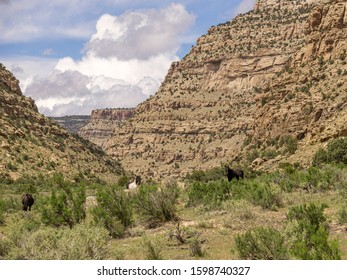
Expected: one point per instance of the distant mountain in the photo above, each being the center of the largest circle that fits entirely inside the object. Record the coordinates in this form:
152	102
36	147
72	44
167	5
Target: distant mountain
32	144
72	123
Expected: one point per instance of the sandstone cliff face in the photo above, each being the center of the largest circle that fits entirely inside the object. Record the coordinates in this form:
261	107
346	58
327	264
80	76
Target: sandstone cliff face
309	99
31	144
248	88
103	122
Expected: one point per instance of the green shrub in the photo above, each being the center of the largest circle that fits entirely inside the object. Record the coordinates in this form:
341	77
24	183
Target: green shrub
47	243
207	175
210	194
308	233
17	227
320	157
156	204
2	212
290	144
195	248
83	242
336	152
266	195
65	206
152	248
342	215
261	244
113	210
323	178
123	181
26	184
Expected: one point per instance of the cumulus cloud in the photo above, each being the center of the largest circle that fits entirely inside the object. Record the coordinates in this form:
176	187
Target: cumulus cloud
141	34
70	92
126	60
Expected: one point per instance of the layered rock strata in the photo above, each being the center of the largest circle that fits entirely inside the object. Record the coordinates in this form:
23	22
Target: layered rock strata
247	89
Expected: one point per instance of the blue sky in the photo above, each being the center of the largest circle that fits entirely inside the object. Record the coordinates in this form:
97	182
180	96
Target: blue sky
73	56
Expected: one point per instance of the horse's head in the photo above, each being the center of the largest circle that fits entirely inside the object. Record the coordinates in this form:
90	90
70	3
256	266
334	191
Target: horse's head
137	180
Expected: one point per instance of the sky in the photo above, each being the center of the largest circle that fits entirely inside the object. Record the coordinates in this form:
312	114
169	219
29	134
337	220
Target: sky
73	56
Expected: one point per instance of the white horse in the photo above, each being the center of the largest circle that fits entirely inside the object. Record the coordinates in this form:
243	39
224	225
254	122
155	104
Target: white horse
135	184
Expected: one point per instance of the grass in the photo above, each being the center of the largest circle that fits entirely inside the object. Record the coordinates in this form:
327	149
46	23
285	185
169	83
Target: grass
210	231
227	223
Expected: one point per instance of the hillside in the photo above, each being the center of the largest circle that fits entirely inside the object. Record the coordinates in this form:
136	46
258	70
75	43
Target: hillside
32	144
266	87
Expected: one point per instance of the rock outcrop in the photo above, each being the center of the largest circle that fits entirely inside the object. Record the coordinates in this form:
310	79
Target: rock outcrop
266	86
103	122
32	144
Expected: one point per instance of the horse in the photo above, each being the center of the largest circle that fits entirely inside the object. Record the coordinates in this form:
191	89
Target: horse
234	173
135	184
27	201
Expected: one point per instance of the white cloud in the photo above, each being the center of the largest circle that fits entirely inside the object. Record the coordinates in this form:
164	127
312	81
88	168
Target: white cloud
70	92
141	34
130	71
27	68
127	59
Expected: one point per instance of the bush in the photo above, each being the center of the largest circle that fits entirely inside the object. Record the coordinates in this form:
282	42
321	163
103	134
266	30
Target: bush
158	204
207	175
263	194
65	206
123	181
2	212
83	242
113	210
17	227
322	179
153	249
261	244
321	156
210	194
195	248
47	243
289	143
308	233
336	152
342	215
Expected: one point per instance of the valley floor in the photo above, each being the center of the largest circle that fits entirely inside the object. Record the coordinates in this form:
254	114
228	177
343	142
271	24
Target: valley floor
217	229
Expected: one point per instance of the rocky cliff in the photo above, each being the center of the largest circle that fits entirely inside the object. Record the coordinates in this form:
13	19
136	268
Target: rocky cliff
31	144
103	122
263	88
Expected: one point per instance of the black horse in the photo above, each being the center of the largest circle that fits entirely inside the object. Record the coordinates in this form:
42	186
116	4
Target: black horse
234	173
27	201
